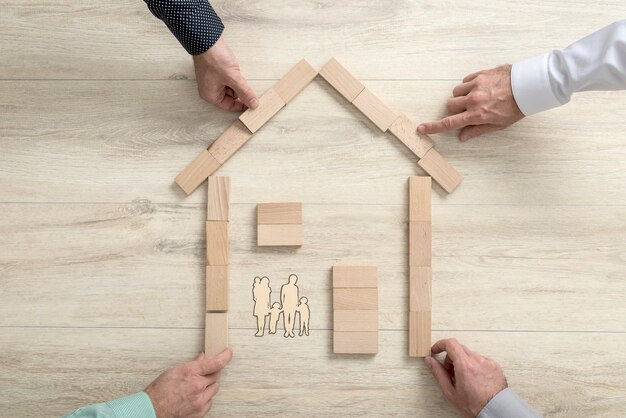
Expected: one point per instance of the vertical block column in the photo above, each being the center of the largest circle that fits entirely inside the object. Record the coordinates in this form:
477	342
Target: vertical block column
217	272
355	309
420	274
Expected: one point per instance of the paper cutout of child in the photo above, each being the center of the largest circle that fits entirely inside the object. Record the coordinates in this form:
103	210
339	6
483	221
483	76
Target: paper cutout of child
275	312
305	313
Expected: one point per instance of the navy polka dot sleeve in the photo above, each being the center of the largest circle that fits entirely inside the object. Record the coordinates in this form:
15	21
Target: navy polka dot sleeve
194	22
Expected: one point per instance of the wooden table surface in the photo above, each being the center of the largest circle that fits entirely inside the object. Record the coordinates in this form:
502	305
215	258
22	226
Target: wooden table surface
101	256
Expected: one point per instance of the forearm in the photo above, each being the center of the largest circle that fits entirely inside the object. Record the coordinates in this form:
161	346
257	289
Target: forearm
596	62
137	405
507	404
193	22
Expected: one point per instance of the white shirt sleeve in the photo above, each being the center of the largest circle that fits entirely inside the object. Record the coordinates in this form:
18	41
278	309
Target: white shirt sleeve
506	404
596	62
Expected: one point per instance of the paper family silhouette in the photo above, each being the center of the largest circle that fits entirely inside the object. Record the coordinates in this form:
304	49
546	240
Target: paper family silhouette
290	305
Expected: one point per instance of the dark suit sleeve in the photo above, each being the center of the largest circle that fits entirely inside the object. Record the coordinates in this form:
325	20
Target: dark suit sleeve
193	22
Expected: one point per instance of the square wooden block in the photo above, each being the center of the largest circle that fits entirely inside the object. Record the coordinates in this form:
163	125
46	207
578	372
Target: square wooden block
215	333
405	130
217	243
279	213
218	198
420	243
420	198
375	109
357	320
197	171
280	235
355	276
419	333
229	142
440	170
420	288
217	288
365	342
292	83
354	299
269	104
341	79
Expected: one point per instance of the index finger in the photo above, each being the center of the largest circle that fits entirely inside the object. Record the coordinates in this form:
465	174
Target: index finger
210	365
451	346
446	124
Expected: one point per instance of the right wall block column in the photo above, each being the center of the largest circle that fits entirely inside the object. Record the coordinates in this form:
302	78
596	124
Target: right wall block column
420	274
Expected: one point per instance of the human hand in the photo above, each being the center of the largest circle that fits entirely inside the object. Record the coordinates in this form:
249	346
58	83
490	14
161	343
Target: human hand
468	380
483	103
220	81
187	390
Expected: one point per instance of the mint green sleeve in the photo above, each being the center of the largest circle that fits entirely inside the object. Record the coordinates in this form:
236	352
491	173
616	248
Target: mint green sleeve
137	405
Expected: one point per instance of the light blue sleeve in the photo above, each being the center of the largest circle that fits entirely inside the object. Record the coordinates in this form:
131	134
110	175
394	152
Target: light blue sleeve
506	404
137	405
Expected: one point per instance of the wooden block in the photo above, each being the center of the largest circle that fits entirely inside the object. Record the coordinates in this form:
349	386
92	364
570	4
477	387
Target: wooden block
375	109
217	243
279	213
269	104
280	235
355	299
419	333
215	333
344	82
197	171
361	320
420	243
292	83
420	288
420	192
355	342
216	288
440	170
355	276
229	142
405	130
218	198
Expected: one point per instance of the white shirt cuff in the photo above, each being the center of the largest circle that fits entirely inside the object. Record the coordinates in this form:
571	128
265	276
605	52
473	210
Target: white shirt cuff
530	83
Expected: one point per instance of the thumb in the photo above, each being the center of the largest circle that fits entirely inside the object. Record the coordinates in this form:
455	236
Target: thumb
245	93
441	376
473	131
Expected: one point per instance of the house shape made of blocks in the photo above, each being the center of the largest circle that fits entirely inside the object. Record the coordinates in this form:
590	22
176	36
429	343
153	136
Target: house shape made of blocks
250	121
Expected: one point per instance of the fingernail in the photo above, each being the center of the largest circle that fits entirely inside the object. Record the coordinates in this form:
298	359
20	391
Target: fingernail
421	129
254	103
428	361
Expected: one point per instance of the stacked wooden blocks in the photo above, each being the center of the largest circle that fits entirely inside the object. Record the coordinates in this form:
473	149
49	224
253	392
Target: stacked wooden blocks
355	309
217	274
420	273
279	224
288	87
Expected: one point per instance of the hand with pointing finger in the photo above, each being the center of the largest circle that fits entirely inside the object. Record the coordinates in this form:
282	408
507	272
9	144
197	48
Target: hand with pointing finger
483	103
187	390
220	81
468	380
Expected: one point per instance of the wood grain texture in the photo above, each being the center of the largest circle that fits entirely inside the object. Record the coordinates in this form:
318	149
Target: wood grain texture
296	79
279	235
405	130
97	244
217	243
215	333
269	104
440	170
279	213
420	333
355	298
229	141
218	198
420	198
420	288
355	276
341	80
420	243
197	171
355	320
217	288
356	342
375	110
